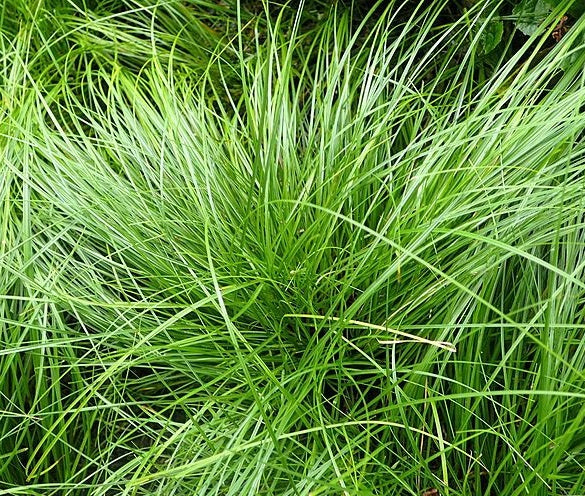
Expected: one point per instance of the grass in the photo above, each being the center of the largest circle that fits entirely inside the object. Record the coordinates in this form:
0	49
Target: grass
290	254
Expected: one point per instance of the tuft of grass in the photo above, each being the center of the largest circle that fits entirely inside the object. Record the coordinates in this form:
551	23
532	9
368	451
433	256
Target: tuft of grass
332	257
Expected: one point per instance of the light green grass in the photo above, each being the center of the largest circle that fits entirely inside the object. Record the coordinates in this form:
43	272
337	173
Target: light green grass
338	259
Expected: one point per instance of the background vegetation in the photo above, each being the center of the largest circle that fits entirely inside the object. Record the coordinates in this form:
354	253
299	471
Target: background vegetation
305	249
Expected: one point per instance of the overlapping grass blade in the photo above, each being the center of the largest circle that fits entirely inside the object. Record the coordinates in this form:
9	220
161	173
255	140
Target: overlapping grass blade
202	282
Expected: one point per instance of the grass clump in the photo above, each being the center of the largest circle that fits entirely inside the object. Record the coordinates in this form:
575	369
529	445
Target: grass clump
343	256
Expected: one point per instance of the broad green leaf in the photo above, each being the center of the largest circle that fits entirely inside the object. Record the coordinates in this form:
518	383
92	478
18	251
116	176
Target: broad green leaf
577	9
530	14
492	35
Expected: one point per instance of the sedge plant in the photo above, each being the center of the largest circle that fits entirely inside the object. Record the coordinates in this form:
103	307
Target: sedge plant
342	256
